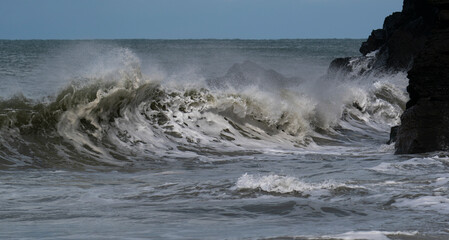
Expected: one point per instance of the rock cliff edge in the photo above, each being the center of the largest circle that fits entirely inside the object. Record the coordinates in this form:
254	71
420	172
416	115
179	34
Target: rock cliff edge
417	40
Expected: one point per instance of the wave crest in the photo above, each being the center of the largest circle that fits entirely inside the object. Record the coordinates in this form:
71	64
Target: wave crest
122	117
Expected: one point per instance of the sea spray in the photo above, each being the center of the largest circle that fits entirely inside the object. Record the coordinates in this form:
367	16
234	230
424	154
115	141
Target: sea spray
119	115
138	139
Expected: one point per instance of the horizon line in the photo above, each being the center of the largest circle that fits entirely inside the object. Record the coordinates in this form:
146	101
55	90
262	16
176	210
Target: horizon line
172	39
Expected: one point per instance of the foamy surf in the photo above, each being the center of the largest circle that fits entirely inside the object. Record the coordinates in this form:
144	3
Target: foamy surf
119	115
285	184
371	235
205	139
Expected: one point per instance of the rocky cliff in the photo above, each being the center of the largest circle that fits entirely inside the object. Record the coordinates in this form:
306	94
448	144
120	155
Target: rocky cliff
425	122
403	36
416	40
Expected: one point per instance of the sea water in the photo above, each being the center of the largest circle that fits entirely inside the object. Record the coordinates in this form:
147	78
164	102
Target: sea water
208	139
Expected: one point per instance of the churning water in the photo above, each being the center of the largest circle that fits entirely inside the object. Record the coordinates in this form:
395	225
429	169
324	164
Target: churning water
212	139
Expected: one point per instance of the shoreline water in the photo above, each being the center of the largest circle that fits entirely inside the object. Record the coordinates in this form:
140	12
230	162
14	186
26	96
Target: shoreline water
156	139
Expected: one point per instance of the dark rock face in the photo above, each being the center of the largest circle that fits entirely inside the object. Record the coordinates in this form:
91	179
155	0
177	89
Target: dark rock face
416	40
393	134
403	35
376	40
425	122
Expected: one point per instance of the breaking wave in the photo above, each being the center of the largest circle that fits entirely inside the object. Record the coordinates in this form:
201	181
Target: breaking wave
290	185
124	118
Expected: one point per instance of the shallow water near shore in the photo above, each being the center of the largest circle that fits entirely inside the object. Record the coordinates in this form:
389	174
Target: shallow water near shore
201	139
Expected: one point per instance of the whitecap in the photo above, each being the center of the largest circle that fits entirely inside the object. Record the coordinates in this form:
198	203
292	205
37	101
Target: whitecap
368	235
285	184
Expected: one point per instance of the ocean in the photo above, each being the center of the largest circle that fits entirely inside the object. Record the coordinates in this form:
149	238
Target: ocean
208	139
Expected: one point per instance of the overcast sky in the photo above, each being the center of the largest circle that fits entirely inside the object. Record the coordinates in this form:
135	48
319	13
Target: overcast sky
181	19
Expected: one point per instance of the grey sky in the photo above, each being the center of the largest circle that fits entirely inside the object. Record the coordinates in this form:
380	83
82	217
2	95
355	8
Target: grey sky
172	19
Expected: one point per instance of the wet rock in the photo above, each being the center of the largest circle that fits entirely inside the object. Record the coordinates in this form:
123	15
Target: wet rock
402	37
393	134
425	122
416	40
375	41
340	66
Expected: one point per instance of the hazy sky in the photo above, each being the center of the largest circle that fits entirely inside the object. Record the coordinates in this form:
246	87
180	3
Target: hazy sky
246	19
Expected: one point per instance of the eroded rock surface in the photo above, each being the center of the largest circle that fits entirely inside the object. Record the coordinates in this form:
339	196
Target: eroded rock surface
415	40
425	122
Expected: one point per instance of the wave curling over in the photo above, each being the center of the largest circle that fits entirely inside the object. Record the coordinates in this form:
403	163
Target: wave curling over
122	116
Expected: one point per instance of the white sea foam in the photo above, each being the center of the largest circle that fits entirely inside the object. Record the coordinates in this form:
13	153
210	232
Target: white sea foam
115	106
184	145
284	184
368	235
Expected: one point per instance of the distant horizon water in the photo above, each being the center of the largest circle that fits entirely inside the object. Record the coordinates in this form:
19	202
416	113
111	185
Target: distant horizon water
181	39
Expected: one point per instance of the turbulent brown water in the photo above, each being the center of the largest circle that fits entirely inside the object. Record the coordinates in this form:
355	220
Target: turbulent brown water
207	139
